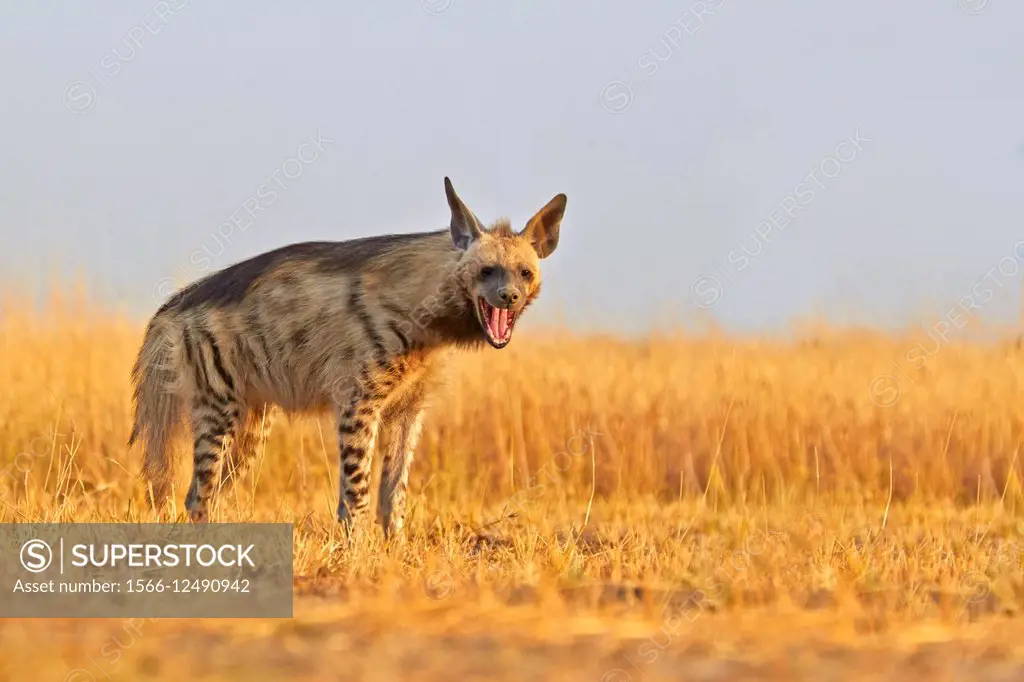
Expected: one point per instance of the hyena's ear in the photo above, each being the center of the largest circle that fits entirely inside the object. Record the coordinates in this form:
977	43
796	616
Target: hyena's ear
542	229
465	226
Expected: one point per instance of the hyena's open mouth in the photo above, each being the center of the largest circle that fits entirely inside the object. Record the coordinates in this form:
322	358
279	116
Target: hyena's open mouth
497	323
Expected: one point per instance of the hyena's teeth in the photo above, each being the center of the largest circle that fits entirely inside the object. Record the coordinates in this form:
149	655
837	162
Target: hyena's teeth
498	321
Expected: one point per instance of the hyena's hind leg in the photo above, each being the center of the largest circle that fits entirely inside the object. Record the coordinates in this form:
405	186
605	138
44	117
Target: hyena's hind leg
400	431
214	421
253	434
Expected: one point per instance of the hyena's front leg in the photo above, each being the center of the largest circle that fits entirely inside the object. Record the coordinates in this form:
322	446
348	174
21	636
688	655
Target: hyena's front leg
213	421
357	431
400	431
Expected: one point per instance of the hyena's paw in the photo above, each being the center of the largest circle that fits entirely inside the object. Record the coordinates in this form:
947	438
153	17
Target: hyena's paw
197	511
347	522
394	528
395	536
356	528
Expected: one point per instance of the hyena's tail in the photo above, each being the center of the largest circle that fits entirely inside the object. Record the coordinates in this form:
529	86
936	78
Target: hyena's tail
157	406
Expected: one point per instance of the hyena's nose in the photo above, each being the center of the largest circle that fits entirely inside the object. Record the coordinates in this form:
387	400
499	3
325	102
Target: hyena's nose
509	295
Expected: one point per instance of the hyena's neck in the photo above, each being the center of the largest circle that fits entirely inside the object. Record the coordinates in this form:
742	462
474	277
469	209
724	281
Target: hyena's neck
455	322
416	285
444	311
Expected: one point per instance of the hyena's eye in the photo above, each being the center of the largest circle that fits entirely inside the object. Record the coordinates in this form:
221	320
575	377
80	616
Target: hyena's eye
486	271
527	274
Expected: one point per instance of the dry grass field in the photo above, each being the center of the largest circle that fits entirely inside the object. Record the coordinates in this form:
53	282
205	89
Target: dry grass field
685	507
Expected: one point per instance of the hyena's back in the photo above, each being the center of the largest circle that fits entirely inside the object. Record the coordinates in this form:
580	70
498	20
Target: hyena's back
291	328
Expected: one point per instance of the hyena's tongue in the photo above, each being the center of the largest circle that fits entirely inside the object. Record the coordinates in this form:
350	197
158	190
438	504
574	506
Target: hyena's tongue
497	323
503	323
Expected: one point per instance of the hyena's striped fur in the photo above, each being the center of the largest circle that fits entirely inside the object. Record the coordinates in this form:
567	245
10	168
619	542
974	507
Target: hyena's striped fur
357	327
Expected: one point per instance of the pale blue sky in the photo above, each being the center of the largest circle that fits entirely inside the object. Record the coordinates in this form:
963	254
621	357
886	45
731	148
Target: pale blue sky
728	113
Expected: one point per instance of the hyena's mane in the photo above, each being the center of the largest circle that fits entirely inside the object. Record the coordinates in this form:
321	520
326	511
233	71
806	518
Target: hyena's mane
230	285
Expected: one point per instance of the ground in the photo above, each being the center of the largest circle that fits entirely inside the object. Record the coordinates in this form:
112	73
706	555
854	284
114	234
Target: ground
689	506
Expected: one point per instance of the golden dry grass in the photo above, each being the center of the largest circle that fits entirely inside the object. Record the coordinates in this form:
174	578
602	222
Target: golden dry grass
755	515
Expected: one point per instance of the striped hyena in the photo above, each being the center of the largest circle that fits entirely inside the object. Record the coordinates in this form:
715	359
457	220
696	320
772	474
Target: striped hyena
357	327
